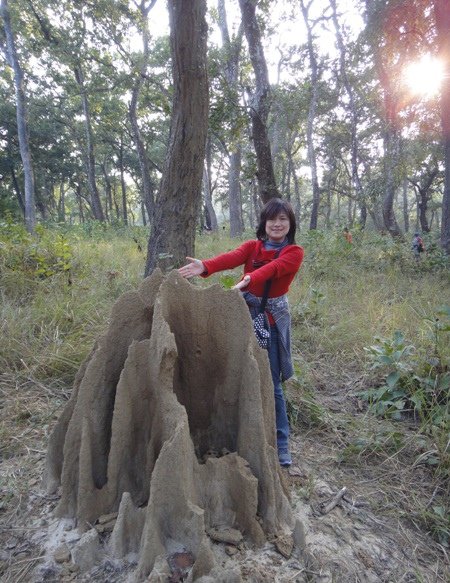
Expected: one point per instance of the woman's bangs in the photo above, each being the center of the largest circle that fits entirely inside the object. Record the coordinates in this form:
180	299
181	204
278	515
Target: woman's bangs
275	209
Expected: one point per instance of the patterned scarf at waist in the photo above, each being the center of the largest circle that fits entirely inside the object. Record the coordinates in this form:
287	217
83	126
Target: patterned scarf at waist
279	309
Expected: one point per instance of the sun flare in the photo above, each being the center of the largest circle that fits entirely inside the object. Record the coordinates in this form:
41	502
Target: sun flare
424	77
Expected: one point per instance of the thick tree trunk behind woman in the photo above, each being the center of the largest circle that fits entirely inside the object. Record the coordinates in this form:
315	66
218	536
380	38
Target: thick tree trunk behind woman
260	104
176	211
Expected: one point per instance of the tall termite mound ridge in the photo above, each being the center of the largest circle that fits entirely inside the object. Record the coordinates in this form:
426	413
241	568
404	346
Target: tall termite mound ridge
171	423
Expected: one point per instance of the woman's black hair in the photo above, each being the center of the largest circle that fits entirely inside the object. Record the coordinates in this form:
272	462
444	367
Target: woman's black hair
270	210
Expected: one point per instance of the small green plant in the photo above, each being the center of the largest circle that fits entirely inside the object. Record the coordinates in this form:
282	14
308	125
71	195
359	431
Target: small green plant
394	355
436	518
440	326
412	384
311	309
304	409
306	490
376	443
42	256
51	257
12	232
227	280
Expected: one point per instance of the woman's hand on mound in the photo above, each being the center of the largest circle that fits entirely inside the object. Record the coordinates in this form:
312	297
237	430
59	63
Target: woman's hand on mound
243	283
193	268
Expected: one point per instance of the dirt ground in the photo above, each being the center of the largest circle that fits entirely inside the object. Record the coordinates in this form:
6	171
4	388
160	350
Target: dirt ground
367	533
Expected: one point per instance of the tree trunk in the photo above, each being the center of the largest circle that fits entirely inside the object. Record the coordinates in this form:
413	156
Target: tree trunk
422	186
311	117
416	192
62	203
114	197
144	218
423	219
260	103
354	119
297	199
147	183
210	213
328	208
108	193
123	185
90	157
442	16
22	119
362	214
207	189
231	70
17	191
236	223
405	205
148	187
256	204
80	202
173	232
391	155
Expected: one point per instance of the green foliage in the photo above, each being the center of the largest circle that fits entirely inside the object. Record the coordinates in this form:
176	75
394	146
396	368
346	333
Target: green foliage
391	352
376	443
411	384
436	519
303	407
48	327
306	410
310	309
43	255
327	250
227	280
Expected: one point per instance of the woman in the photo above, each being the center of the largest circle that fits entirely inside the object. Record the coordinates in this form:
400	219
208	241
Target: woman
272	256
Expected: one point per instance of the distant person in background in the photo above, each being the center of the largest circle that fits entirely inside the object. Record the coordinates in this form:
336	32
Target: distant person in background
273	256
417	246
348	236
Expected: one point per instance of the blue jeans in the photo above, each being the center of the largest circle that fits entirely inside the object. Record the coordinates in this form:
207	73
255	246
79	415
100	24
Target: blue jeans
280	403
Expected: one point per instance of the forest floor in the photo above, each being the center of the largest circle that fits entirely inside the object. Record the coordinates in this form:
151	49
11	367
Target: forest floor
385	527
370	535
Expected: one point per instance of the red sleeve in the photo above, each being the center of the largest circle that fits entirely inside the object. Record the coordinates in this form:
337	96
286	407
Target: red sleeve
229	260
287	263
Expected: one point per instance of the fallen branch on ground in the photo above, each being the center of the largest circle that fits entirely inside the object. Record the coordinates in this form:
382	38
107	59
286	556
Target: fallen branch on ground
334	501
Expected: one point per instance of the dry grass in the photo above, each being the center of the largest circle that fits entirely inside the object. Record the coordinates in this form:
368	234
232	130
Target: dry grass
47	328
29	411
383	465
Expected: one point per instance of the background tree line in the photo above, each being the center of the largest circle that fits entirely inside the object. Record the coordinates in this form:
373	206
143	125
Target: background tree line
102	118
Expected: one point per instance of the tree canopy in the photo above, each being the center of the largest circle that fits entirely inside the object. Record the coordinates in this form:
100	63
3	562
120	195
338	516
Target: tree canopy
306	101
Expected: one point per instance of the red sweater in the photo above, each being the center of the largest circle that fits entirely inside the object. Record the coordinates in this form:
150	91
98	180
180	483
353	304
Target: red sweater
281	270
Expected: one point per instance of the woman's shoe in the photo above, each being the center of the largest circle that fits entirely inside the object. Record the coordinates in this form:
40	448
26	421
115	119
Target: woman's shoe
284	457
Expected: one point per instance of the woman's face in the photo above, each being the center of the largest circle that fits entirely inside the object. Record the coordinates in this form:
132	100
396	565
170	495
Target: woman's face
278	227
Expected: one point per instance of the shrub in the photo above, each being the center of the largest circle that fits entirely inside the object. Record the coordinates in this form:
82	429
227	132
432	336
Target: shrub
43	255
410	383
